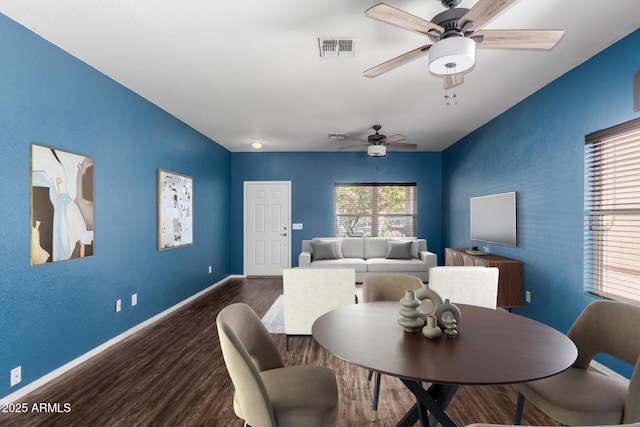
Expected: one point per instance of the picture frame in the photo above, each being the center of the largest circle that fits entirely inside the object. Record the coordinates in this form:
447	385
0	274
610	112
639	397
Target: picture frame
175	210
62	205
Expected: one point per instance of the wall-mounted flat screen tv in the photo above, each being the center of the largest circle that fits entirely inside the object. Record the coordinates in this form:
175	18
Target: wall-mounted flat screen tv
493	218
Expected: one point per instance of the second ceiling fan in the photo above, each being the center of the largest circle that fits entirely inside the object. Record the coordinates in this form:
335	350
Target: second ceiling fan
376	143
455	34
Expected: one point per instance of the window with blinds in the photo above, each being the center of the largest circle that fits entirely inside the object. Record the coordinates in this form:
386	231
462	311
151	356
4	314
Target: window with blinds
612	212
375	209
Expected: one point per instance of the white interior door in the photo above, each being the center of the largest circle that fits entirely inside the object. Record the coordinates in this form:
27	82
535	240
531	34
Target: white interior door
267	235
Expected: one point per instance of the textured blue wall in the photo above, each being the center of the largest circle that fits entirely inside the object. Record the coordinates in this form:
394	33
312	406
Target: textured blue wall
313	176
536	149
53	313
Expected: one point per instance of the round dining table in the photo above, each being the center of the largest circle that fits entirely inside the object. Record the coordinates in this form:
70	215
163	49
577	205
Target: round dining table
492	347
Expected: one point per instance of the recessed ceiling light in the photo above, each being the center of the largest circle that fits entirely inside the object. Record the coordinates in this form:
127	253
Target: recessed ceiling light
256	145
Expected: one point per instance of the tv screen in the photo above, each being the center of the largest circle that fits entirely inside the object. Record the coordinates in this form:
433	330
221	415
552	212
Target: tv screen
493	218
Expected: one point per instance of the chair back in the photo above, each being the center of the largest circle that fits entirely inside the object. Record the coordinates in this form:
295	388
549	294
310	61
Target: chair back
247	349
388	287
466	285
311	292
611	327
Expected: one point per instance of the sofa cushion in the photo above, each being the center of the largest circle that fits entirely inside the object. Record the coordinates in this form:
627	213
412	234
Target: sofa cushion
353	247
358	264
399	249
325	250
378	265
376	247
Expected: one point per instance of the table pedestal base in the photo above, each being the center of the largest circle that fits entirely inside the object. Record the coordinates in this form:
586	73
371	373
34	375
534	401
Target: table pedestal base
430	404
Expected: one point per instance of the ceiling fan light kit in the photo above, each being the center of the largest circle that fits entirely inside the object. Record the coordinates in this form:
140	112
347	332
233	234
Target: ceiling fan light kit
376	151
452	55
454	35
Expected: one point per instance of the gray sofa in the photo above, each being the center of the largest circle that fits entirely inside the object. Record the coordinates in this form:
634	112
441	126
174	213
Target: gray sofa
369	256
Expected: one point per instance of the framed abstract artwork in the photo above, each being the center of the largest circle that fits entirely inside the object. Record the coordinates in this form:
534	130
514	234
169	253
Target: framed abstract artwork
62	225
175	210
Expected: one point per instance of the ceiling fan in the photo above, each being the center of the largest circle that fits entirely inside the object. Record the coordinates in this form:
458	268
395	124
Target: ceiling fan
455	34
377	143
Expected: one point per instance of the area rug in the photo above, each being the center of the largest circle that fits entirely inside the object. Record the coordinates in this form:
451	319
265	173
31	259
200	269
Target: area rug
274	317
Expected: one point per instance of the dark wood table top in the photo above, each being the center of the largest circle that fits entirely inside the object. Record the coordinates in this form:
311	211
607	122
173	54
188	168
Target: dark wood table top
492	346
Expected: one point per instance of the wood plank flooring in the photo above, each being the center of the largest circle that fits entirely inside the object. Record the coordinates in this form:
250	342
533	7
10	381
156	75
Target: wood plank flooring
172	374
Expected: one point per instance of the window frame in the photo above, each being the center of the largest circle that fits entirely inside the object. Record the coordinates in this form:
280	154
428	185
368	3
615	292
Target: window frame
408	217
612	212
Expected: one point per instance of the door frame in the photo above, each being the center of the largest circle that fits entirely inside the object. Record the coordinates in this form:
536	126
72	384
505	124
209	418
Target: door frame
244	221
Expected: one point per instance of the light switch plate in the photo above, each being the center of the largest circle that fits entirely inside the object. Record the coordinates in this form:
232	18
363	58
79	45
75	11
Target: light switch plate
296	226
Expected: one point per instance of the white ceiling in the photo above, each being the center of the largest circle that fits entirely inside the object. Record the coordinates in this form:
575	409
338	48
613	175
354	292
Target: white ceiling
243	70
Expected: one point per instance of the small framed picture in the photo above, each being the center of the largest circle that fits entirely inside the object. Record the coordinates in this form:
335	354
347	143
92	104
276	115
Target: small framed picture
175	210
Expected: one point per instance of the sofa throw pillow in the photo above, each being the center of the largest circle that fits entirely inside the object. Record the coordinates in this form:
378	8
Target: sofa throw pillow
337	245
399	250
323	251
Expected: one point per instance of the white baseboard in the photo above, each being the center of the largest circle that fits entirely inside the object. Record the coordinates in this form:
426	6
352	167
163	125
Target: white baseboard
81	359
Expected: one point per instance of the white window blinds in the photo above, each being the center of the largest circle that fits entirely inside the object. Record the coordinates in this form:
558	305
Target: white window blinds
612	212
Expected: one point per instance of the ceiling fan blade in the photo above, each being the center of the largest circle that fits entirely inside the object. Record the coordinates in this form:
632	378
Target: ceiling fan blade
353	138
349	147
484	12
519	39
399	18
394	139
397	61
404	145
452	80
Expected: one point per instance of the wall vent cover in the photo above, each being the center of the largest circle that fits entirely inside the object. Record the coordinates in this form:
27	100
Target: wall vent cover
334	46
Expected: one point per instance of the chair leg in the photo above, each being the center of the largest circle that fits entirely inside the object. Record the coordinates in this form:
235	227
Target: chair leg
520	409
369	377
376	396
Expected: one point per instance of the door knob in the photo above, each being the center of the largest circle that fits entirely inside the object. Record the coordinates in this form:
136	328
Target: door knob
284	234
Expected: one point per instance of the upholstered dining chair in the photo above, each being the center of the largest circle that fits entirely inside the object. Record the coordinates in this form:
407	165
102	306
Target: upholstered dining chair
582	396
466	285
385	287
266	392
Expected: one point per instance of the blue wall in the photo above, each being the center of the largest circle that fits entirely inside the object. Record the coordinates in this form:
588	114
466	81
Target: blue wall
53	313
537	149
313	176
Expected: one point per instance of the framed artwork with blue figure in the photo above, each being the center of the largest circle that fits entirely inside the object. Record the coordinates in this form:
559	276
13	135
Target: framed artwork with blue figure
62	212
175	210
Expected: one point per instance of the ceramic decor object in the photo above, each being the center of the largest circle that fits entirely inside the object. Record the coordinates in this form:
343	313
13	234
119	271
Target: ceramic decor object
426	293
411	315
431	329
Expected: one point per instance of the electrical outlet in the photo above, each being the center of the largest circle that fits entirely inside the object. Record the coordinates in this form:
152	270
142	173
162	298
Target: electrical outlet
527	296
118	305
134	300
16	375
210	269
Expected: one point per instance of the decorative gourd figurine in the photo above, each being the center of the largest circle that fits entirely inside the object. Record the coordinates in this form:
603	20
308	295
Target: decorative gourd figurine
426	293
411	319
451	328
431	329
445	312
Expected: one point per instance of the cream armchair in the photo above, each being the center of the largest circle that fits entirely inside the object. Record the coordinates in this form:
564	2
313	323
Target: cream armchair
466	285
309	293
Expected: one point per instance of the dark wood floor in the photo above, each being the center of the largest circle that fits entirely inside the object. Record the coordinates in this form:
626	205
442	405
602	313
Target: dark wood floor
172	374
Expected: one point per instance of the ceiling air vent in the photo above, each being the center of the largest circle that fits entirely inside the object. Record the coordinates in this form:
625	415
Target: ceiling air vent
337	46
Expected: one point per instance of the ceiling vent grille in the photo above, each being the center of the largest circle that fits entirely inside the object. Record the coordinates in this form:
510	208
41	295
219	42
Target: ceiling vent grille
337	47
